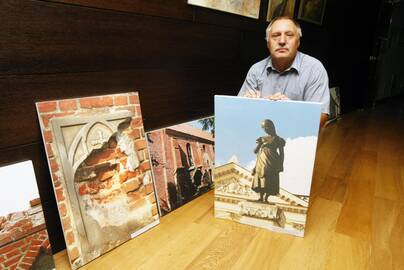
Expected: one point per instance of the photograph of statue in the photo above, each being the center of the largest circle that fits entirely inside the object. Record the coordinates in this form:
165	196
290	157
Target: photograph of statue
248	8
269	164
277	8
182	158
312	11
265	181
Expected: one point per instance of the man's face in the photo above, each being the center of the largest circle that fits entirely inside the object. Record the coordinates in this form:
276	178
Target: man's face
283	40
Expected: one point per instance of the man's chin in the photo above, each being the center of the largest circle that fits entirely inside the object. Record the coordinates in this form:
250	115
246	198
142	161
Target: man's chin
282	56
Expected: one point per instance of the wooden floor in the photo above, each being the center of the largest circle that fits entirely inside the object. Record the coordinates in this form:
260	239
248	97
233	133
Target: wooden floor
356	216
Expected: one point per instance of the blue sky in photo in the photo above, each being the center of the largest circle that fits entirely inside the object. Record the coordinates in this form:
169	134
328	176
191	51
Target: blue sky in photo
238	124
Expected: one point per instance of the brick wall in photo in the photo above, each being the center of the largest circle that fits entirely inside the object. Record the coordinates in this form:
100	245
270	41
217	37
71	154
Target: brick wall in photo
105	182
178	156
23	237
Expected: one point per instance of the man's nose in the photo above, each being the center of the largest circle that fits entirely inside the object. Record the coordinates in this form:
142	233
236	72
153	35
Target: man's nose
282	39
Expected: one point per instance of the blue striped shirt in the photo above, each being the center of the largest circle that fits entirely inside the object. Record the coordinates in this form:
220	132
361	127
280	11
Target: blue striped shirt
306	79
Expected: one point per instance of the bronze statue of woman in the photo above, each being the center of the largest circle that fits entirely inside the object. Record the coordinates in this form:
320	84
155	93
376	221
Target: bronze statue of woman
269	164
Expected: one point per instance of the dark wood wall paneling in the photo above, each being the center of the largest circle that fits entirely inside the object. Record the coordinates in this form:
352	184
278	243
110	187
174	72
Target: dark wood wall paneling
177	56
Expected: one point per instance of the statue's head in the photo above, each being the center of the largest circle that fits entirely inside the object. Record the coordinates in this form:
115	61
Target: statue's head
268	126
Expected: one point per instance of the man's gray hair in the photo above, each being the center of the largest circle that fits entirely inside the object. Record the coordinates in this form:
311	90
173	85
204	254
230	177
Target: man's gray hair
299	29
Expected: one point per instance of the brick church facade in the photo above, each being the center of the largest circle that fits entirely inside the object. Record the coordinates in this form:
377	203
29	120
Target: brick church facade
182	158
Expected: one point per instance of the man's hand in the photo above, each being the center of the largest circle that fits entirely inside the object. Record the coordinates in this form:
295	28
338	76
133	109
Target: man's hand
277	96
252	93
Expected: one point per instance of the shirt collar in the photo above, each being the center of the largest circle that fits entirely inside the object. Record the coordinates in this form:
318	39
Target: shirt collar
295	64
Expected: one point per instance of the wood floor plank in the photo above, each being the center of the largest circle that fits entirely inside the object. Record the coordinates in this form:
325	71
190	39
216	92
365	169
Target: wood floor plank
225	249
387	235
348	253
356	215
277	251
181	249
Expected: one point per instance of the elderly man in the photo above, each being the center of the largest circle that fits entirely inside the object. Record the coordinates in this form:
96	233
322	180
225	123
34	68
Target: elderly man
288	73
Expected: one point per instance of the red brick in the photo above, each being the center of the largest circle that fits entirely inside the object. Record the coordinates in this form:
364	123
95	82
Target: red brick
83	190
13	253
62	209
35	202
49	150
24	266
34	248
48	106
59	194
138	111
74	254
140	144
48	136
12	261
131	185
120	153
36	242
68	105
69	238
13	267
123	161
145	166
134	99
103	176
135	133
136	122
66	224
12	246
95	102
101	156
32	253
107	184
120	100
133	174
4	239
46	243
28	260
2	258
53	165
149	188
123	176
93	187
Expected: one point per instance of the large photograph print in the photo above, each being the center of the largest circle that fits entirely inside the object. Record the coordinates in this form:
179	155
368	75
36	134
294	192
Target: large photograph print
278	8
248	8
265	152
312	11
24	241
99	163
182	159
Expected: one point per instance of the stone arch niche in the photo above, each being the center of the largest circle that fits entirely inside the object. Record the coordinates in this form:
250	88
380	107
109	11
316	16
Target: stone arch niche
90	154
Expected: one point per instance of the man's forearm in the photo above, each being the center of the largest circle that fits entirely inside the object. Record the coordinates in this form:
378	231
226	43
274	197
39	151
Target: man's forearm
323	119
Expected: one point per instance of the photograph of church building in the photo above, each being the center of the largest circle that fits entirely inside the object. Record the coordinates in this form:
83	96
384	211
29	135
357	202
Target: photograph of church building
182	161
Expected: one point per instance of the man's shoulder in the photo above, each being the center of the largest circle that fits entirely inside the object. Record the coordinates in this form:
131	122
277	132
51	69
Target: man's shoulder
310	61
260	66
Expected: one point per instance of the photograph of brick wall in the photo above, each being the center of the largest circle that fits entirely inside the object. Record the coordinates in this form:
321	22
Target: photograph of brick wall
100	169
182	161
24	241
